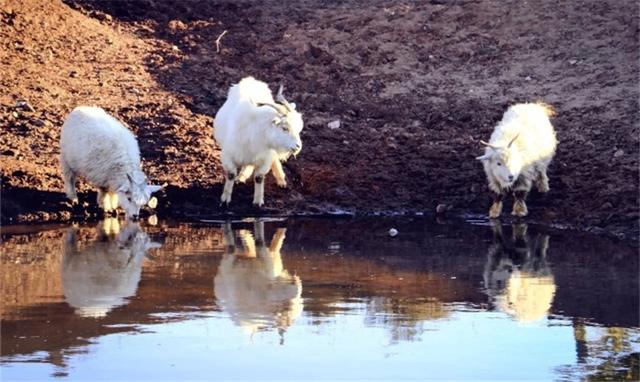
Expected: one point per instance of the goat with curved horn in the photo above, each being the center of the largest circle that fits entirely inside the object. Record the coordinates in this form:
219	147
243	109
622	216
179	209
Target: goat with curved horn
517	156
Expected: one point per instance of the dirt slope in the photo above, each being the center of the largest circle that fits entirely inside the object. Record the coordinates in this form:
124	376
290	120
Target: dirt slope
415	85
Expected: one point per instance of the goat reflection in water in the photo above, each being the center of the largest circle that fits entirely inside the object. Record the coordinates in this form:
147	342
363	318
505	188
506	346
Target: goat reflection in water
253	287
517	277
100	275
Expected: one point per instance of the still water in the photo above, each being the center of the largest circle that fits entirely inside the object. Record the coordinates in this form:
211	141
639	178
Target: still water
316	299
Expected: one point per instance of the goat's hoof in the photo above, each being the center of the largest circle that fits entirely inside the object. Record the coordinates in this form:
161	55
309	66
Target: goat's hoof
495	210
519	210
282	184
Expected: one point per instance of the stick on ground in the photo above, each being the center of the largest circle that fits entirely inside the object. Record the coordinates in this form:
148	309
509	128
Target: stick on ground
218	40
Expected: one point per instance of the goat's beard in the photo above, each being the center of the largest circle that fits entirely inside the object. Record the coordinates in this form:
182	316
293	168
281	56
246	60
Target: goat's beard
283	156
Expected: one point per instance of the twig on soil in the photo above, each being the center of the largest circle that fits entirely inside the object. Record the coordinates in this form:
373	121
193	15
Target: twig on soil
218	40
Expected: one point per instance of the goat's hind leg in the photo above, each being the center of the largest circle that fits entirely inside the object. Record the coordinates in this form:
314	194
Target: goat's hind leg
542	181
230	178
69	181
278	173
245	173
231	173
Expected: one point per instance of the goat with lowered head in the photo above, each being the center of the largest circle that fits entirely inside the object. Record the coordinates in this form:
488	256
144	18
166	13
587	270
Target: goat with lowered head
520	149
256	133
98	148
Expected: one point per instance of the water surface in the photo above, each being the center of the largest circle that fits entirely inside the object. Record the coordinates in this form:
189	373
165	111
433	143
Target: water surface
316	299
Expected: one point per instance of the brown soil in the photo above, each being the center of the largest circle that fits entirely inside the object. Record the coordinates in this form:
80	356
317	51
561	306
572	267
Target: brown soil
415	85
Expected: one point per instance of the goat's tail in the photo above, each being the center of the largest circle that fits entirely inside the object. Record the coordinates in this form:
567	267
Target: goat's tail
548	109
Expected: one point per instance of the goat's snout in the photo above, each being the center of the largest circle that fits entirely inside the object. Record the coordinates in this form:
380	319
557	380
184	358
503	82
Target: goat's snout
510	178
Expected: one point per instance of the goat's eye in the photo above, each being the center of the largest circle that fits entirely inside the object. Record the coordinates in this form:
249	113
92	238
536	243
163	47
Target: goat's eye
499	164
285	127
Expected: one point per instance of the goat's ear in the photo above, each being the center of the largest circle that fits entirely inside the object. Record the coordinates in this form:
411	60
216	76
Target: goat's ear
293	105
152	245
152	188
484	157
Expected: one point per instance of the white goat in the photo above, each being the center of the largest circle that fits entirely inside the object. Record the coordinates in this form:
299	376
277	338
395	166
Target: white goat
98	148
255	134
521	147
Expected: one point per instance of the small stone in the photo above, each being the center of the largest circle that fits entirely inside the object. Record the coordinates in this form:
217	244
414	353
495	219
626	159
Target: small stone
152	220
618	153
528	78
38	122
11	152
606	206
441	209
334	124
573	62
24	105
393	232
175	48
153	202
73	74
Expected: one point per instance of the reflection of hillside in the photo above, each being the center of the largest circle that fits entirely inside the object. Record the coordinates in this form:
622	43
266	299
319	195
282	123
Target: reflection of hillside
403	318
604	354
30	265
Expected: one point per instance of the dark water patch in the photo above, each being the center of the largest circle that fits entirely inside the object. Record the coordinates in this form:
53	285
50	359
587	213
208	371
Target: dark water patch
316	298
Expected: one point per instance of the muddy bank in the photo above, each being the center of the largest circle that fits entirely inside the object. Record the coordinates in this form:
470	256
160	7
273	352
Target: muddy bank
414	84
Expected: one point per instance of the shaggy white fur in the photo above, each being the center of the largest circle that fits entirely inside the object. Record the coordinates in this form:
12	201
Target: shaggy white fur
255	134
98	148
521	147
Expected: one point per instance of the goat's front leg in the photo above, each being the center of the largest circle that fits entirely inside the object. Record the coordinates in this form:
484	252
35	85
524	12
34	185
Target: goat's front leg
496	207
69	177
258	178
520	194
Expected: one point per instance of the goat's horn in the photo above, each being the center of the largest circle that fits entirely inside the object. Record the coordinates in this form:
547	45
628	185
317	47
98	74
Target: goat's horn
275	107
513	140
488	145
280	98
